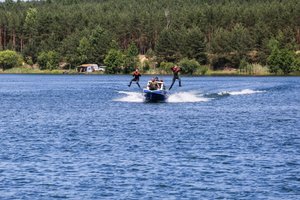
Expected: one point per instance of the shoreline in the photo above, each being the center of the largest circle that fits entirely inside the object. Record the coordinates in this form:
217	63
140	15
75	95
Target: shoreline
194	75
224	73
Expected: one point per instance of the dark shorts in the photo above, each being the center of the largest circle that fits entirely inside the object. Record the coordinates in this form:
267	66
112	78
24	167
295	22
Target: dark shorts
175	77
135	79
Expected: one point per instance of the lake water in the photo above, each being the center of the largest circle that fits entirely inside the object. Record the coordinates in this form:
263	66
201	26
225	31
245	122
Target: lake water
92	137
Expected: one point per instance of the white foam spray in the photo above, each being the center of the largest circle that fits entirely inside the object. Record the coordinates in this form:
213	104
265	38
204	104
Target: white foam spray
183	97
242	92
186	97
131	97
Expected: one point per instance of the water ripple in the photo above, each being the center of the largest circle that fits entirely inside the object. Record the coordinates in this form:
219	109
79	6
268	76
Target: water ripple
224	138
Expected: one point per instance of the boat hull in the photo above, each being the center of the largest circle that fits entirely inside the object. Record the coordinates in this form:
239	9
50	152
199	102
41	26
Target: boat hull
155	95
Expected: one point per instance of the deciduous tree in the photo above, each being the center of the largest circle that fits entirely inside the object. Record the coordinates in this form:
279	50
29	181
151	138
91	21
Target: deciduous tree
9	59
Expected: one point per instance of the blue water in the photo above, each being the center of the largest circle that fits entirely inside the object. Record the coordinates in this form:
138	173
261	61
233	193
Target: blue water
92	137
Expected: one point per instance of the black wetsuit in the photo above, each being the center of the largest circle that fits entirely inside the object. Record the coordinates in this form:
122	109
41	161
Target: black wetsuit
175	76
136	78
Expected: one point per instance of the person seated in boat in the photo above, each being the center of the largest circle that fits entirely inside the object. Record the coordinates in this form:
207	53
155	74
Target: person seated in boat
162	83
158	85
153	85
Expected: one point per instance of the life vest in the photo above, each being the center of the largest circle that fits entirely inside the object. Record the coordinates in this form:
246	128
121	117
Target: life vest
153	85
136	73
176	69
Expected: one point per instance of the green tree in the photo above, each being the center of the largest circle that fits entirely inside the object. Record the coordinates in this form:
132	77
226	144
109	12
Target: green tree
168	45
188	66
230	30
70	50
296	64
280	60
114	45
287	61
48	60
84	49
274	61
114	61
166	66
31	22
100	41
195	45
30	27
130	59
231	45
9	59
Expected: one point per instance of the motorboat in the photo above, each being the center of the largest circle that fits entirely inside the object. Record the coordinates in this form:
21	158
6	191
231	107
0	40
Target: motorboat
155	91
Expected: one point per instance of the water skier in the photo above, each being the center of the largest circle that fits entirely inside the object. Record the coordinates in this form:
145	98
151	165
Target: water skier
175	69
136	77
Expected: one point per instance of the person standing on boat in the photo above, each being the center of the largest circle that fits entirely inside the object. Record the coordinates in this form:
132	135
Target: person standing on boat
175	69
136	77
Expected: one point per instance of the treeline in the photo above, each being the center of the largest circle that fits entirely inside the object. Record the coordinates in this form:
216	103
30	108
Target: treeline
216	33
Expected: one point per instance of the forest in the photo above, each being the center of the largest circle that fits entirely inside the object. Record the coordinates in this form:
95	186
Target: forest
235	34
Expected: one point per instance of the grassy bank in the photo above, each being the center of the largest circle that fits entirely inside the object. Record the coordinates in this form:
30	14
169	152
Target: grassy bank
21	70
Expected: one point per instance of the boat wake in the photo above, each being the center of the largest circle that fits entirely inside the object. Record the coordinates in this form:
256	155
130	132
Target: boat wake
232	93
241	92
186	97
131	97
178	97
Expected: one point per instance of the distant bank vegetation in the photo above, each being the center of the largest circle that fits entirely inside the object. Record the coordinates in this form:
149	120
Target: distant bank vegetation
204	37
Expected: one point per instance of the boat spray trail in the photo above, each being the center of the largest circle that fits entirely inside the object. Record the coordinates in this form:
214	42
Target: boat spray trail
242	92
187	97
131	97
